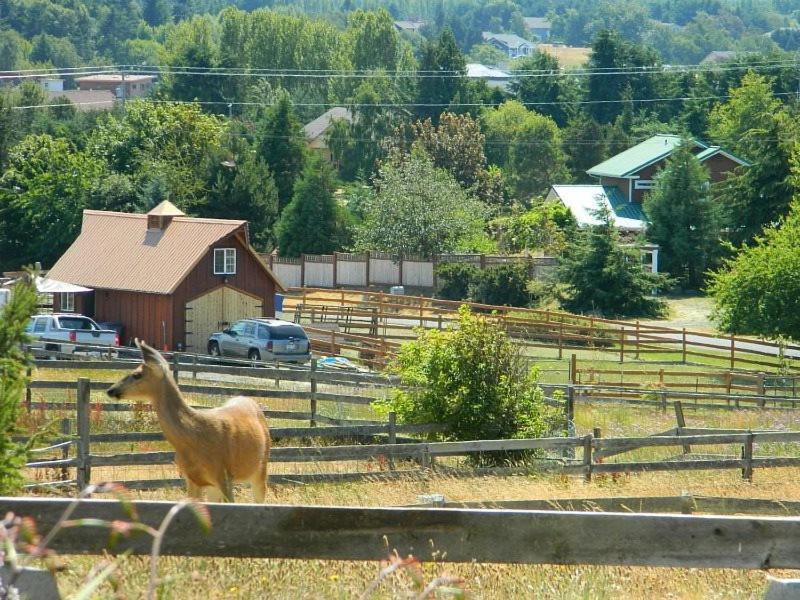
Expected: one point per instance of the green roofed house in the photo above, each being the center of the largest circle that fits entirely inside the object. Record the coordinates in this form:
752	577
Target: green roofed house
633	170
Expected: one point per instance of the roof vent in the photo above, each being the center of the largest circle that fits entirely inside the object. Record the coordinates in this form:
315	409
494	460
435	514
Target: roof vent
161	216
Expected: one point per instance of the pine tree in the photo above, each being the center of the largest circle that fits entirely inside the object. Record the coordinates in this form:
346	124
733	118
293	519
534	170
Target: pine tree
603	277
435	93
13	360
280	142
681	217
310	223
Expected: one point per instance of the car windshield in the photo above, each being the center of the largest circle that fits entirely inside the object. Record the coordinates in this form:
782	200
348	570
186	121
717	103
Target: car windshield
75	323
284	332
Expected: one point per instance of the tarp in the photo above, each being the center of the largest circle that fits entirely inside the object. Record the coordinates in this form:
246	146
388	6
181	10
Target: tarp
51	286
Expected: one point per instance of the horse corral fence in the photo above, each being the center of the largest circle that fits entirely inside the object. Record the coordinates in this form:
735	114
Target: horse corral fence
381	269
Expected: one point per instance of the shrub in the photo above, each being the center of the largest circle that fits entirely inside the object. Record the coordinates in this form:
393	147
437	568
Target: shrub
453	279
504	285
472	380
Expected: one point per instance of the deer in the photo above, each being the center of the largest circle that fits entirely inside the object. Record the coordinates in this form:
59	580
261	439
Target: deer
214	448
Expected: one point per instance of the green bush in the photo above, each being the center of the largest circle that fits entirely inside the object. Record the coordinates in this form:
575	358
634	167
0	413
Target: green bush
473	380
504	285
13	361
453	279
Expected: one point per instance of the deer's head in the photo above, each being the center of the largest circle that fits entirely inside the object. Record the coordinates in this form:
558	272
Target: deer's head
146	379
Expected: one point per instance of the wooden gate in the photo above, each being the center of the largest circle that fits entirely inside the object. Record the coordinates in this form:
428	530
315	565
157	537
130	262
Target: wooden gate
216	310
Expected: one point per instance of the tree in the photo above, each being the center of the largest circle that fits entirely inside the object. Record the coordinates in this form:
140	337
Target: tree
757	291
310	224
7	129
281	143
156	12
192	44
43	191
374	40
603	277
473	380
546	226
681	216
536	158
546	89
418	209
437	92
754	125
240	186
14	360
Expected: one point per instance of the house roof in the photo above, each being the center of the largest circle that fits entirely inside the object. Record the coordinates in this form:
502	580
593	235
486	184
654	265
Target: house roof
320	125
114	78
166	209
636	158
582	200
479	71
116	251
650	151
537	22
509	40
409	25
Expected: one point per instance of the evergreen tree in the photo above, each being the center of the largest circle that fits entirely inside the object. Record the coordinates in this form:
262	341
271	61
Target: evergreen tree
603	277
547	94
156	12
13	361
310	224
281	143
681	217
437	92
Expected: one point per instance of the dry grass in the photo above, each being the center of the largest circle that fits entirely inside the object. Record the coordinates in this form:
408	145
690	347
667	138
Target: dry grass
567	56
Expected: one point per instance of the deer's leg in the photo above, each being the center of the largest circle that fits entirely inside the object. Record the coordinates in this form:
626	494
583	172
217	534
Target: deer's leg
259	485
223	489
195	491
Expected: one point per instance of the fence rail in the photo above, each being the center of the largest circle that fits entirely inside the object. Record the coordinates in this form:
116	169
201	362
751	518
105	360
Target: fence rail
440	534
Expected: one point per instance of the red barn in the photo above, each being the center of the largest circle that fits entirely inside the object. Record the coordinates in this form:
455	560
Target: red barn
166	278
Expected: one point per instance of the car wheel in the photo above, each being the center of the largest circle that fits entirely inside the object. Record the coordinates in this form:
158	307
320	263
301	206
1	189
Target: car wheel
213	349
254	354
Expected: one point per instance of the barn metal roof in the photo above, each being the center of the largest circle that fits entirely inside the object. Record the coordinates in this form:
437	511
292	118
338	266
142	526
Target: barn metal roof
116	251
583	200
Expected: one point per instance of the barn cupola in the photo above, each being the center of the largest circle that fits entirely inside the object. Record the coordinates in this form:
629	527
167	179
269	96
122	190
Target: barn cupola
161	216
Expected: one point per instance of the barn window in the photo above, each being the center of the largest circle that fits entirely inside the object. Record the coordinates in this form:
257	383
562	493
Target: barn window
67	302
224	261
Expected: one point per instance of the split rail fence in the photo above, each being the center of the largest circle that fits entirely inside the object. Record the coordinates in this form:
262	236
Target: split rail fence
392	318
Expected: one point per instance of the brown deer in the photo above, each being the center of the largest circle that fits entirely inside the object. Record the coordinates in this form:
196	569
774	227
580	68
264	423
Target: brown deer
214	448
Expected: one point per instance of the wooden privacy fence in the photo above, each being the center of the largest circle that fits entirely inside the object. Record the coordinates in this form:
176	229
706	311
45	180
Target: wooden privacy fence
544	328
435	534
380	268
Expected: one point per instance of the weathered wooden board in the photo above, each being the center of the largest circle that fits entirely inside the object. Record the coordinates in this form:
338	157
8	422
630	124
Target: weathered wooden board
452	535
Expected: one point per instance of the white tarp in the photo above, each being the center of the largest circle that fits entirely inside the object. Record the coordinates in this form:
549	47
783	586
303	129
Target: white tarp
51	286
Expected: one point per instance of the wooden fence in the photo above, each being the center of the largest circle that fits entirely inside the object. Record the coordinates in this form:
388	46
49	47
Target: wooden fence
392	317
379	268
435	534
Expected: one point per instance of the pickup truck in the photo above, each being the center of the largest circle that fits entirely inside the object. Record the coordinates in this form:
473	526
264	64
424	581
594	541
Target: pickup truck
67	333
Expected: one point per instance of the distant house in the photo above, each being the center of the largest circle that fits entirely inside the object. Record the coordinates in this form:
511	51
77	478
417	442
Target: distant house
409	26
720	56
582	201
166	278
538	26
633	170
494	78
513	45
122	85
86	100
316	131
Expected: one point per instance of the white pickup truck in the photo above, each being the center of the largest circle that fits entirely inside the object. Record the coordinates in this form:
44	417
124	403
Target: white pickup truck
67	333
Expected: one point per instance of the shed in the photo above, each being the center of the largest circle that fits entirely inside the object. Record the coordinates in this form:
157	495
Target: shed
164	277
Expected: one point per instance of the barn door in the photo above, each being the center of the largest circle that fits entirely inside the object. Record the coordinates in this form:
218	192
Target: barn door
215	311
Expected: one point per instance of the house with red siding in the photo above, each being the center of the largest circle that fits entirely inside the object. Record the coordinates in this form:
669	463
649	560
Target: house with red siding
165	278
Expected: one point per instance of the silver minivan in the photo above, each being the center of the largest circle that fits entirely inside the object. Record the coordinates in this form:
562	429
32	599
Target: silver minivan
262	339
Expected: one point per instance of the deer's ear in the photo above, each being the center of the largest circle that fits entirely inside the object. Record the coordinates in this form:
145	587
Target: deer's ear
150	356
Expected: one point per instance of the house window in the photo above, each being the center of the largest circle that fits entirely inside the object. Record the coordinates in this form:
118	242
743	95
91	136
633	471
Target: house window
643	184
67	302
225	261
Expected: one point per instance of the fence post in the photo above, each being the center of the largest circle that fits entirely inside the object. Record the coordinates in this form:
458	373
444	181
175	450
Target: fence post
84	406
194	365
622	344
663	401
28	389
570	408
747	456
313	378
587	457
679	418
65	431
733	352
175	367
684	345
762	402
392	430
637	339
573	368
277	373
560	340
